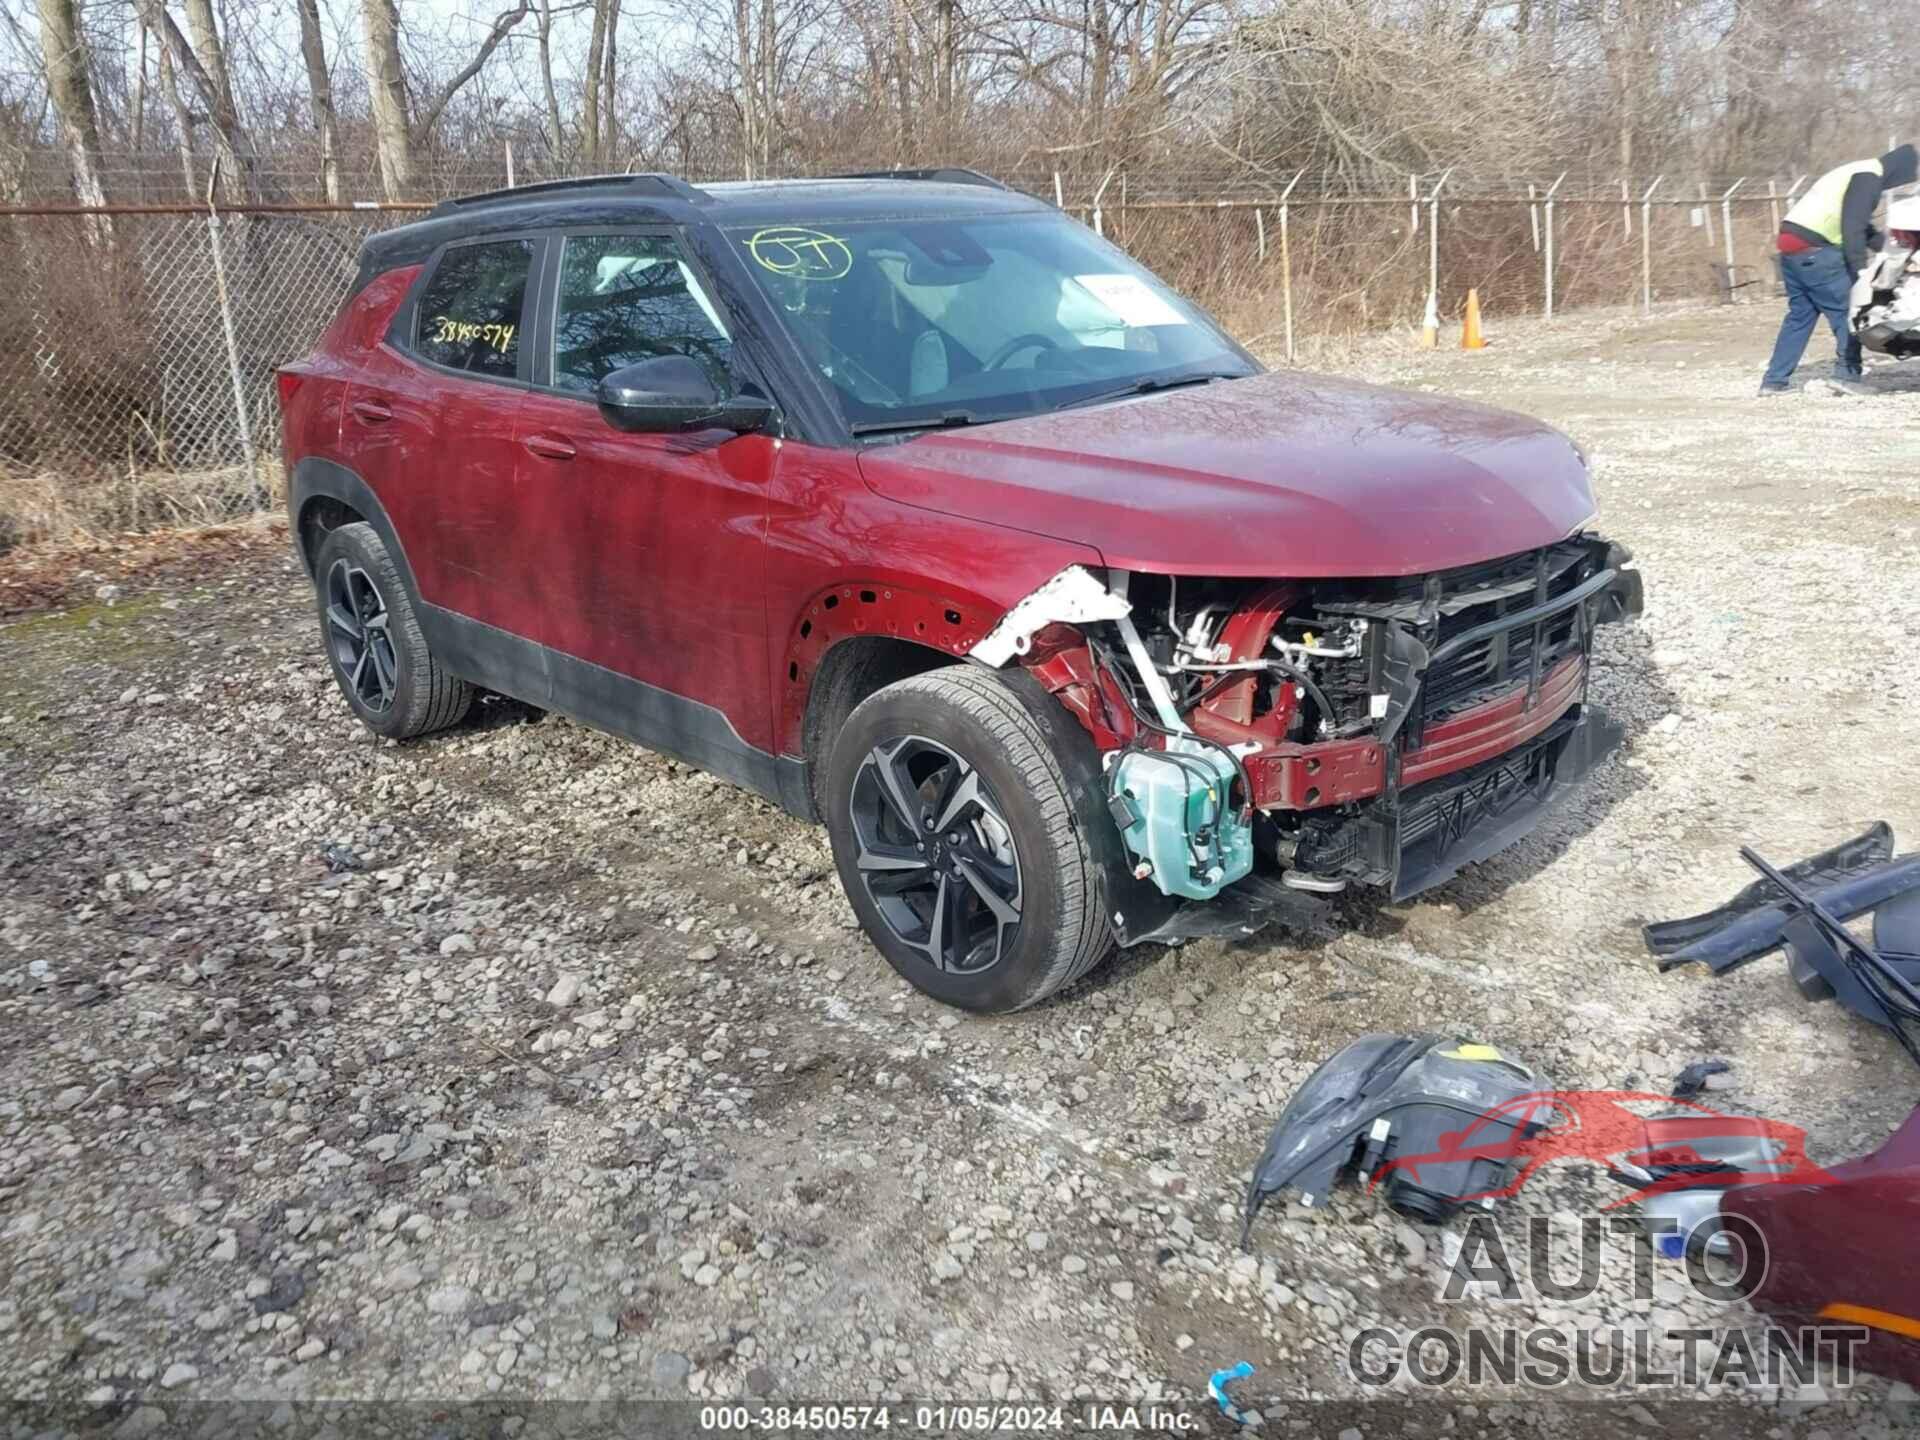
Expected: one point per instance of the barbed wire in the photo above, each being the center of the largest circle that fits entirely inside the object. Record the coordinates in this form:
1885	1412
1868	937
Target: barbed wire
277	177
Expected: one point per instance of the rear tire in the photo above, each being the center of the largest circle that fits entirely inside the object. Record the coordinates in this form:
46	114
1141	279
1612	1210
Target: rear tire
380	659
946	802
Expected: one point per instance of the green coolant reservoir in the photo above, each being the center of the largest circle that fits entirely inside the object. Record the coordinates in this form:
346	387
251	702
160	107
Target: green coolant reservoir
1175	815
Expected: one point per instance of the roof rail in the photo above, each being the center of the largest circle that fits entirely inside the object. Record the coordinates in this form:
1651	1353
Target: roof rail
949	175
642	184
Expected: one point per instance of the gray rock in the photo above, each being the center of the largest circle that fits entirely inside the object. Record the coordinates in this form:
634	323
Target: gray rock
449	1299
402	1278
177	1374
145	1421
565	991
670	1368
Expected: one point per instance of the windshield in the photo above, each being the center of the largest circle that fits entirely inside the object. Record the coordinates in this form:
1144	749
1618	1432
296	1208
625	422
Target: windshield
939	322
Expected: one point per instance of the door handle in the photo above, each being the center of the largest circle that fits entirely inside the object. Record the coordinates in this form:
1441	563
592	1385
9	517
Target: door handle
550	447
372	412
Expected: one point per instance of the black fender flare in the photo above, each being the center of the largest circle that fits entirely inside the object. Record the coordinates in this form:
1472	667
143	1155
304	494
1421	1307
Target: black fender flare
315	479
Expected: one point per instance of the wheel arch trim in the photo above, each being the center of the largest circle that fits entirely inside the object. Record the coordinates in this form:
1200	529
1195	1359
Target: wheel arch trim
945	625
315	479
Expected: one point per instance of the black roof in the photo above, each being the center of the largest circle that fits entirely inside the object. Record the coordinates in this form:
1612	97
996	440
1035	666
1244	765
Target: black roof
658	199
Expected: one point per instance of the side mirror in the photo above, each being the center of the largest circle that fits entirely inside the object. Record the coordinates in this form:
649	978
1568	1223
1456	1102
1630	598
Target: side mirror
671	393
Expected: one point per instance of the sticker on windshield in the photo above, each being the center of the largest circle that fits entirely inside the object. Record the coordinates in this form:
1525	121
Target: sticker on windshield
800	254
1132	299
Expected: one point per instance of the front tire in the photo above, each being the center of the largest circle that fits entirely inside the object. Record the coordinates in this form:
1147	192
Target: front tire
380	659
958	844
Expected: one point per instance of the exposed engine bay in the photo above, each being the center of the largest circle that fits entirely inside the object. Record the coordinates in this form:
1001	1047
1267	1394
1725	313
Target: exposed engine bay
1377	731
1886	296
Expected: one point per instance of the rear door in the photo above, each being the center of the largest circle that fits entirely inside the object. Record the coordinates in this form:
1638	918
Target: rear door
430	424
648	550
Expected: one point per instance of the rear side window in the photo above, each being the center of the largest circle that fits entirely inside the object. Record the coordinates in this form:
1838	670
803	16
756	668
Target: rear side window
468	317
627	298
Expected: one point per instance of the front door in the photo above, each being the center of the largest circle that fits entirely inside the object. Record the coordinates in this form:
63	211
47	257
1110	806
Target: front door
645	552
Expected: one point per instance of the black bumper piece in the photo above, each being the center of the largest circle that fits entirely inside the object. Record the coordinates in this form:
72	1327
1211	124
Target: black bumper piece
1424	836
1454	821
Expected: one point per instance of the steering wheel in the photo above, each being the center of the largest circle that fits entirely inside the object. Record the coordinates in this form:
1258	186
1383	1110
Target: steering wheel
1014	346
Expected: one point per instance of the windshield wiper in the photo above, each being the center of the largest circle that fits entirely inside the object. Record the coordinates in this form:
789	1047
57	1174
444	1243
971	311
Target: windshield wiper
949	419
1147	387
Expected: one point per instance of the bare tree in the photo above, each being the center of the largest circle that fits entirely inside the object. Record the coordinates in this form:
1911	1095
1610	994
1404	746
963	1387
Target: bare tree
65	55
398	132
235	161
387	89
313	51
553	127
205	35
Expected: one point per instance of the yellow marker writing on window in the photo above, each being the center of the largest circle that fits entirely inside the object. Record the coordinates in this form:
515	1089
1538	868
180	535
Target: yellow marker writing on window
448	331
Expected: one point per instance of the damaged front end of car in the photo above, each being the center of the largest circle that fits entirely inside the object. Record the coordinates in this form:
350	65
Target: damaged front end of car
1263	742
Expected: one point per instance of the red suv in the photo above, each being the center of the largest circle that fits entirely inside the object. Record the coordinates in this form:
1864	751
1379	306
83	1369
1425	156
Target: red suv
914	506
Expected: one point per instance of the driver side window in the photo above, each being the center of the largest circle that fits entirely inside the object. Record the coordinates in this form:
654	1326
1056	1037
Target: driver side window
627	298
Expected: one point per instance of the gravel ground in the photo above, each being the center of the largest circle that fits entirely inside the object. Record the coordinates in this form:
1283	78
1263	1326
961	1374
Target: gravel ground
583	1083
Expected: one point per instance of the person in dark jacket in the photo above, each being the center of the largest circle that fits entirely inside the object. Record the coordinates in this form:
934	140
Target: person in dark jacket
1823	244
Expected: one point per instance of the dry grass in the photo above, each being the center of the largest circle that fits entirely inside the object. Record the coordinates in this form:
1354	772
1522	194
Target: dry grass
76	508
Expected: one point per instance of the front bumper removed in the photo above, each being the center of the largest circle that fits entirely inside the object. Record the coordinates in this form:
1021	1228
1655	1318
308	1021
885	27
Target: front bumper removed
1408	843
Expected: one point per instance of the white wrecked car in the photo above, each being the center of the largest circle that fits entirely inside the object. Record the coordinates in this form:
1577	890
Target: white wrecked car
1886	298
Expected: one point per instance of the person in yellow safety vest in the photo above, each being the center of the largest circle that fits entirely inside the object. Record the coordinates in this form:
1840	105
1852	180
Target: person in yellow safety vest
1823	243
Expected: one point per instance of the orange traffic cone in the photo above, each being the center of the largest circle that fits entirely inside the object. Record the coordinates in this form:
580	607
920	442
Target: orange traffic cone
1470	336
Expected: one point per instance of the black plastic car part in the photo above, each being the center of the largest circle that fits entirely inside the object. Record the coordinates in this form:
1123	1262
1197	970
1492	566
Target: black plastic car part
1857	975
1848	880
1390	1096
1896	927
1843	862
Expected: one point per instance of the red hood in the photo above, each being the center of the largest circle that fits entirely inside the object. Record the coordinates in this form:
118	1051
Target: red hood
1285	474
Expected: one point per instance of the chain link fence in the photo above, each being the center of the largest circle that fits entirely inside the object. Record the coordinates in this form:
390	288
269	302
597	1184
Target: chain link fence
140	387
141	382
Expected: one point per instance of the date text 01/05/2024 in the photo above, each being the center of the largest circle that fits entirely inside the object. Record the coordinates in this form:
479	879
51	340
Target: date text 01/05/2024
946	1418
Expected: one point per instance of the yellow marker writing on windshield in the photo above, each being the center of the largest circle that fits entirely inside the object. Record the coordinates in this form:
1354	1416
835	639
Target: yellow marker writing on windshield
799	253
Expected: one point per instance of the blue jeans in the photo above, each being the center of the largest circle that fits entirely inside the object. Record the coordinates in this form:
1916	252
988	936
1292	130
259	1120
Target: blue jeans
1817	283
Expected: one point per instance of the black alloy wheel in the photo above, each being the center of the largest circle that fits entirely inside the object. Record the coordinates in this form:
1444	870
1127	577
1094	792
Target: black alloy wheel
936	854
359	637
